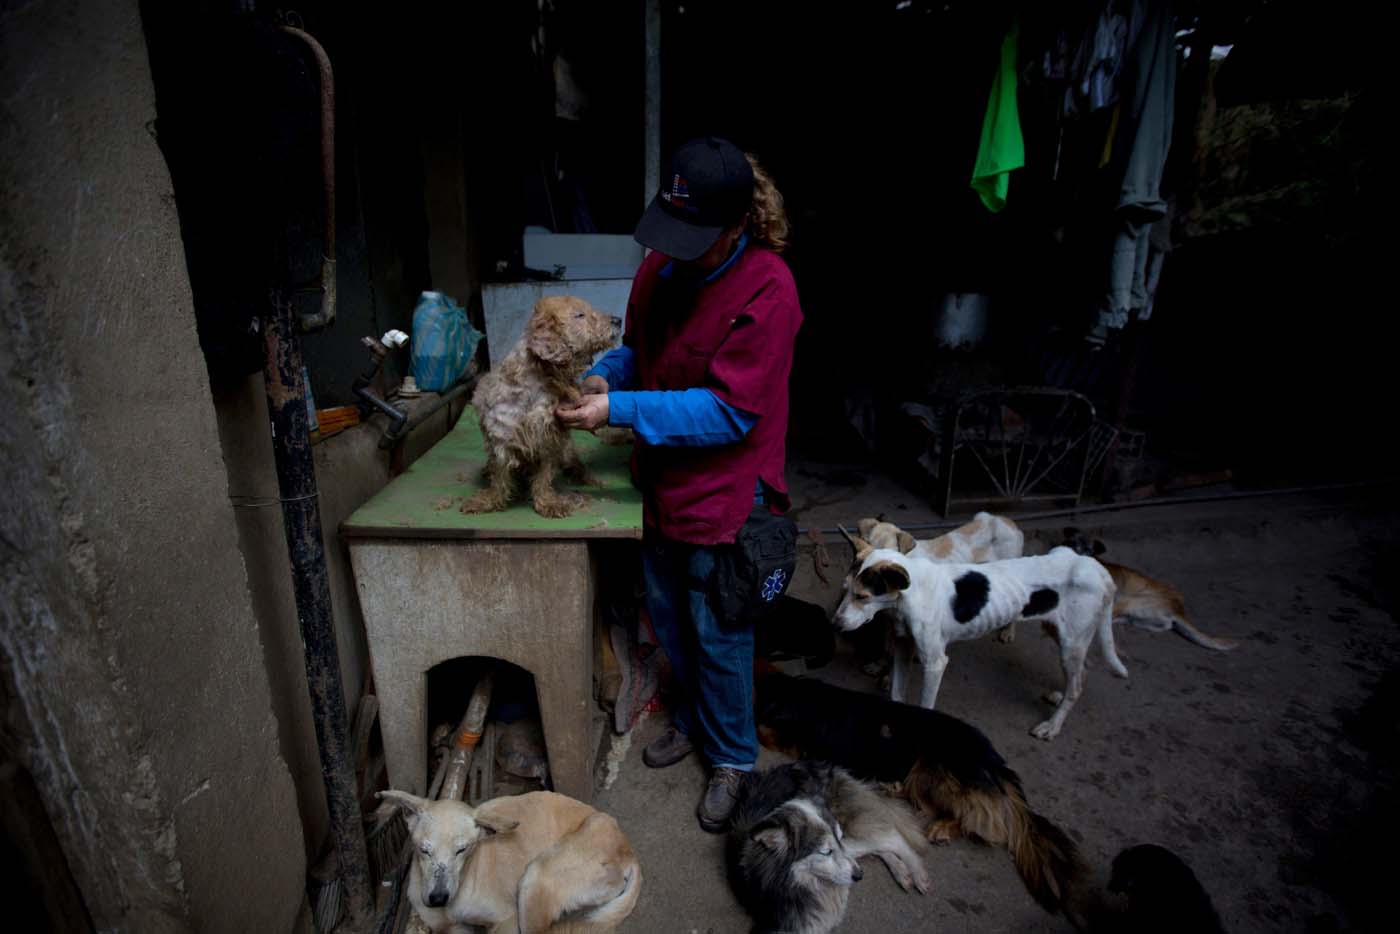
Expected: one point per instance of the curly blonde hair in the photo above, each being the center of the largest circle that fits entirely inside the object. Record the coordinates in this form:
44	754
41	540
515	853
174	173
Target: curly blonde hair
768	222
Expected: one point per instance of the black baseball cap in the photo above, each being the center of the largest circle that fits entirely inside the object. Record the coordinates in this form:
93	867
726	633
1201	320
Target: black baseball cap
707	188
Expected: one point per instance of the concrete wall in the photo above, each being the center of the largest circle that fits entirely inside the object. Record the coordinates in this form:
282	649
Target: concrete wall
350	469
129	647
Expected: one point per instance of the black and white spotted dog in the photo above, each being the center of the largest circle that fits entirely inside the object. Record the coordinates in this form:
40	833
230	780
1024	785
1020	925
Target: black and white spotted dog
942	603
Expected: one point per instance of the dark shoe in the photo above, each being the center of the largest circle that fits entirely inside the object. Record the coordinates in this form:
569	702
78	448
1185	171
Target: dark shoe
667	749
718	803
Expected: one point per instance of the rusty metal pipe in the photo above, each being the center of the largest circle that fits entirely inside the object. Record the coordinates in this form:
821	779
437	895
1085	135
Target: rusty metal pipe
397	432
306	550
327	282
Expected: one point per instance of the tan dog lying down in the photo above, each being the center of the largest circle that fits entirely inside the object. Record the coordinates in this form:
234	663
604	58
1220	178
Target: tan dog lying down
539	862
516	402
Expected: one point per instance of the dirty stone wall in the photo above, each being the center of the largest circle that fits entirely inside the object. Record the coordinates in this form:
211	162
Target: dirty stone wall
137	692
350	468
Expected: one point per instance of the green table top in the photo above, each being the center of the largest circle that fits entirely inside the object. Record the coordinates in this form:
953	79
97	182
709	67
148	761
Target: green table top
425	501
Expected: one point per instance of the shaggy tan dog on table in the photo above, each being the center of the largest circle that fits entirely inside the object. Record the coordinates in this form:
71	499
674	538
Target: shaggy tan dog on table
516	403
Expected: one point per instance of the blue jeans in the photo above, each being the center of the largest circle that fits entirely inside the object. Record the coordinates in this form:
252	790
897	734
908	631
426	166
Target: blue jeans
712	660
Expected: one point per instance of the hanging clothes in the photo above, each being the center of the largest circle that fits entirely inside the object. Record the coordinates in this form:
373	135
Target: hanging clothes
1159	244
1002	149
1147	100
1097	63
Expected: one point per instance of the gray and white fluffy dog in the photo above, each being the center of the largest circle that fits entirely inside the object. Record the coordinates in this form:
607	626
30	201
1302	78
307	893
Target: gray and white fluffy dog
795	837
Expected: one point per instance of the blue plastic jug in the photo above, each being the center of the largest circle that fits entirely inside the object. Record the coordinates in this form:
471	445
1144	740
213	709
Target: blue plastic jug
443	342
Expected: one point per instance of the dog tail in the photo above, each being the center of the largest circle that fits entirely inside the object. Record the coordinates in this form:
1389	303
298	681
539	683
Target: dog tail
587	882
1158	607
1045	856
1188	631
995	811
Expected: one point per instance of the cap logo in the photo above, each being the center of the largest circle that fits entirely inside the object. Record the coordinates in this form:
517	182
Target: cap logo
679	195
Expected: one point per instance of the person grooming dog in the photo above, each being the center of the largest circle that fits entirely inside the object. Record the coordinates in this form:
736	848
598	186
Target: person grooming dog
702	381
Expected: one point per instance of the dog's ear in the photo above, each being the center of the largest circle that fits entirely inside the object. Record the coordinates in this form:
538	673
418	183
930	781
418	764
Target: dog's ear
495	825
859	545
414	806
885	576
866	527
543	336
1099	547
905	541
770	835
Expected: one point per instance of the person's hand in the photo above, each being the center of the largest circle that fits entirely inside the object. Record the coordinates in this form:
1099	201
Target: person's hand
595	385
591	412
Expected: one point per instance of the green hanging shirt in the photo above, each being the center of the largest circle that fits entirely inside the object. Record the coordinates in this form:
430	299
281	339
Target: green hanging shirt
1002	150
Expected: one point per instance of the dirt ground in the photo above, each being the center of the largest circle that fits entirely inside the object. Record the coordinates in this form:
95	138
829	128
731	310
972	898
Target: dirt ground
1271	769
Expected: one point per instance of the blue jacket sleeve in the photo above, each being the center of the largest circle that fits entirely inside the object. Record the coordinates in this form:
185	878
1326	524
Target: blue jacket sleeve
680	418
617	366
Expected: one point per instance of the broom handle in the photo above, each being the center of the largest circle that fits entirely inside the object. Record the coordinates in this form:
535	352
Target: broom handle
439	773
468	735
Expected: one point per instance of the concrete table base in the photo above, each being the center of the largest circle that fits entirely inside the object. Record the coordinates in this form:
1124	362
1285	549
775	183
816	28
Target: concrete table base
528	603
437	584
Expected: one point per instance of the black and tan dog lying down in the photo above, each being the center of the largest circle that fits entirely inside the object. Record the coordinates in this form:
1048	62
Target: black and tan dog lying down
945	767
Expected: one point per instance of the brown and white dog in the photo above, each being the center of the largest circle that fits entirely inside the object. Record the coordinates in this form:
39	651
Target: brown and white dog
532	863
944	603
517	399
985	538
1146	603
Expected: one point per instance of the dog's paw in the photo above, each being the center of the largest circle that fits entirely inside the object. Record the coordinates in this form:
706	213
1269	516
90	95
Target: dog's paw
558	507
1046	731
1053	697
1007	634
907	880
922	882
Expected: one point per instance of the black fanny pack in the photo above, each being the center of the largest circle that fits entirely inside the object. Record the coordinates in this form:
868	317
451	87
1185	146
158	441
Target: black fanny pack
752	573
